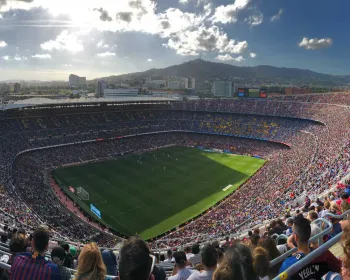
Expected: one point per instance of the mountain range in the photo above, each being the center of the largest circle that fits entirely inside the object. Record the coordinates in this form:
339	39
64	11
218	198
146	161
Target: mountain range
211	70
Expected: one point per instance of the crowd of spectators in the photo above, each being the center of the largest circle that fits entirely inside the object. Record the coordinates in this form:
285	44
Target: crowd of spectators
317	157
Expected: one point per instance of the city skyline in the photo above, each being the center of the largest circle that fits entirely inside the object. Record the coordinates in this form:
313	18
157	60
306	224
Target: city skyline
48	40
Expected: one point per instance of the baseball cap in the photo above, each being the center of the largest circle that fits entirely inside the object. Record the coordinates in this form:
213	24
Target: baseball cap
180	257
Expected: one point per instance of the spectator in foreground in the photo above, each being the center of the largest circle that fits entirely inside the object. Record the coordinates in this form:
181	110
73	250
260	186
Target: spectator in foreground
237	264
209	256
158	270
261	263
110	261
270	245
196	258
302	233
180	271
33	266
135	261
90	264
57	256
68	260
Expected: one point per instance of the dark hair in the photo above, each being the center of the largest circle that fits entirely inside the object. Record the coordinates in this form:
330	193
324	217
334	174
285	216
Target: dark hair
169	253
273	223
250	233
209	255
157	256
270	245
237	264
298	211
290	221
256	231
17	243
6	227
4	237
302	229
58	252
41	238
22	231
162	257
313	215
14	230
65	246
188	249
344	195
195	248
255	239
134	260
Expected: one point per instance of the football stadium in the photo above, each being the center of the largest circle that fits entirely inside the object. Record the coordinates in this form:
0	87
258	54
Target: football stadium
262	177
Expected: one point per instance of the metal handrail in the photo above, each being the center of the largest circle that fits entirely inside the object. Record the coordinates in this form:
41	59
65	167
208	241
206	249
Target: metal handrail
308	258
313	239
342	216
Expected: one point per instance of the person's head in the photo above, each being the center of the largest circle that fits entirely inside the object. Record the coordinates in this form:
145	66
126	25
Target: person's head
312	215
195	248
273	224
209	256
270	245
301	231
180	259
344	196
256	231
188	250
255	239
237	264
22	231
334	207
261	261
65	246
297	211
169	254
3	237
227	239
162	257
289	222
250	233
280	223
314	231
17	243
345	206
90	263
327	205
58	255
135	262
157	257
40	239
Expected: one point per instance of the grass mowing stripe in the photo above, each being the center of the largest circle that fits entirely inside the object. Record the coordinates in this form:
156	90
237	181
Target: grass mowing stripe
169	187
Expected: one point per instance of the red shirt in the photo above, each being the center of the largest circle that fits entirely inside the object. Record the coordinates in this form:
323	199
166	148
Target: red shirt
339	201
333	263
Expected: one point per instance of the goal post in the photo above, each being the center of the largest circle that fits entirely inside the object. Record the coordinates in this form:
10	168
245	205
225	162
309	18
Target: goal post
82	193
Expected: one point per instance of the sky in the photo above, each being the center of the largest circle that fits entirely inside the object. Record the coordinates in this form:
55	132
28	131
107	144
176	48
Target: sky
48	39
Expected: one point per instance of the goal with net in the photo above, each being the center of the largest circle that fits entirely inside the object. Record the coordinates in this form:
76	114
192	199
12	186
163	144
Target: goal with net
82	193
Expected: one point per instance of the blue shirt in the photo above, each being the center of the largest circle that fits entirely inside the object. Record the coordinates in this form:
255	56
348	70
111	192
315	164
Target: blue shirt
28	268
290	261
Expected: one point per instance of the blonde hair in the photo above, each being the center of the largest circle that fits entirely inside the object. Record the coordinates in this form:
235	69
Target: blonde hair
261	261
90	264
345	206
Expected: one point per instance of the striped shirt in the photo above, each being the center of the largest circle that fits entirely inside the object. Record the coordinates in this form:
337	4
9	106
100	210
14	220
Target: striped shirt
24	267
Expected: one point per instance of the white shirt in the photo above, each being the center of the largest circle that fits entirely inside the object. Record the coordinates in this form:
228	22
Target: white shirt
195	259
182	274
205	275
282	249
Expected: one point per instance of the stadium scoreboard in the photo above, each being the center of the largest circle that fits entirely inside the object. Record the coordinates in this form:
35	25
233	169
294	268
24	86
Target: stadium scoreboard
252	92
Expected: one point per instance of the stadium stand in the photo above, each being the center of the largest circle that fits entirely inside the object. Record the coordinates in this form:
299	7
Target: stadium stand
305	139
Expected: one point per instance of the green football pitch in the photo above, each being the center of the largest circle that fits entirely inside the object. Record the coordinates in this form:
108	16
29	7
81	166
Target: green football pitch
151	193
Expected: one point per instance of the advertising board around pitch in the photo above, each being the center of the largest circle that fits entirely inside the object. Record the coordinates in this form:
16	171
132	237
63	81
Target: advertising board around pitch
95	210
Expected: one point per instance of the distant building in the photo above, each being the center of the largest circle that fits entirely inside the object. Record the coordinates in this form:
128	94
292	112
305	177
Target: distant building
185	82
17	87
75	81
192	83
100	87
4	88
223	88
112	93
175	84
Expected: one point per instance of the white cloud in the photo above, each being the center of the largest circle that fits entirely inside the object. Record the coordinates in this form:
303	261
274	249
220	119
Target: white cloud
315	43
68	65
42	56
6	57
228	57
252	55
255	19
3	44
183	1
228	14
106	54
277	16
212	39
100	44
64	41
150	60
20	58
